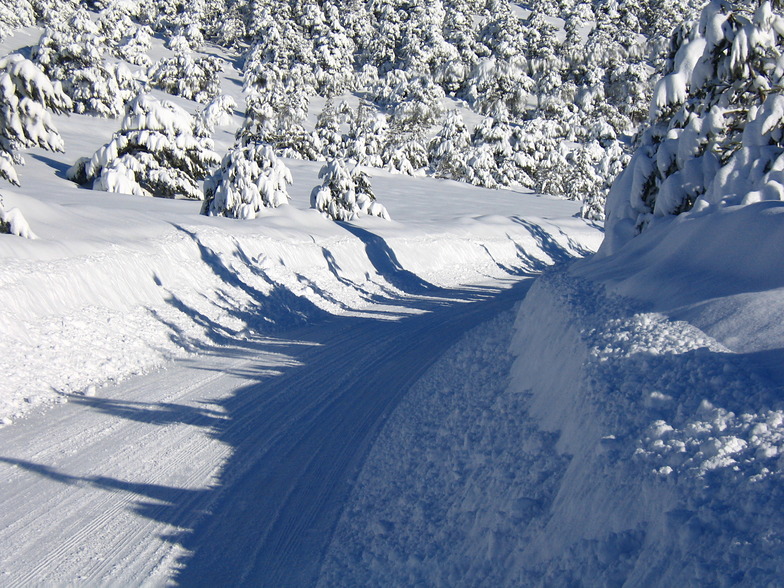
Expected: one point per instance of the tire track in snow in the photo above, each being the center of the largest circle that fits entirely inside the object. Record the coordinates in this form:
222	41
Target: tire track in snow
84	520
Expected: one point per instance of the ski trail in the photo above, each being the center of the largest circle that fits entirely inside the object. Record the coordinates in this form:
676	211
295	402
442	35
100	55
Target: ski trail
230	468
274	518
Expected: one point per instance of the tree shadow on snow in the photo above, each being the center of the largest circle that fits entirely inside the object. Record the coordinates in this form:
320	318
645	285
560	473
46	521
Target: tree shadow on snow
387	265
60	167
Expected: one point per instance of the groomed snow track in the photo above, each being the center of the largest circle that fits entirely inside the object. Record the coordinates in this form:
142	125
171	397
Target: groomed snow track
231	469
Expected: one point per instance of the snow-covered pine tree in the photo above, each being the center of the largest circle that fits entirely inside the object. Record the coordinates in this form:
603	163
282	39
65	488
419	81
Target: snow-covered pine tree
328	137
604	162
333	49
15	14
415	100
183	75
345	195
12	222
277	95
481	167
72	52
219	111
156	152
251	177
115	22
404	151
367	135
26	98
448	149
134	46
716	132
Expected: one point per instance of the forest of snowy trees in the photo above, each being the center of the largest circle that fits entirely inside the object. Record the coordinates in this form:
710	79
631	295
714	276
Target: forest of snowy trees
558	93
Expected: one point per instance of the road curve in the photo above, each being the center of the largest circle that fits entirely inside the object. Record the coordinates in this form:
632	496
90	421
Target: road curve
232	469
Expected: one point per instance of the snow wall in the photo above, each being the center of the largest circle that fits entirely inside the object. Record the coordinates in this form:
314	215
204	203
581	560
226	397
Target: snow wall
672	441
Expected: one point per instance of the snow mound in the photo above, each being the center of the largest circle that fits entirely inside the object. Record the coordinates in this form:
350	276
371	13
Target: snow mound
672	444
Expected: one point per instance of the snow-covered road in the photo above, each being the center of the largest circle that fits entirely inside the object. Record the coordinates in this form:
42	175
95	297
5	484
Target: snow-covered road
231	468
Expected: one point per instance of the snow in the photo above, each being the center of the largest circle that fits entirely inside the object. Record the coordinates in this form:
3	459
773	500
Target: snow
290	400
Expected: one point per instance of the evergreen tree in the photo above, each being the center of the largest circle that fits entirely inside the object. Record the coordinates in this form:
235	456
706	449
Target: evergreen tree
345	195
182	75
156	152
405	151
716	131
26	97
250	178
367	136
447	150
219	111
15	14
134	46
72	52
328	137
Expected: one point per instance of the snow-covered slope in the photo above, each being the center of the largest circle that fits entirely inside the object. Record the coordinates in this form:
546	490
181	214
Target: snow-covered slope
116	284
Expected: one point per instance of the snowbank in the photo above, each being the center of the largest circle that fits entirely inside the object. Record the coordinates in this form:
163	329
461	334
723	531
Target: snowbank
672	473
659	368
625	429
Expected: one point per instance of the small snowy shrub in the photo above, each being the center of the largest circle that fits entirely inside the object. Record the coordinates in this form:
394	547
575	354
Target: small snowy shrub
345	195
12	222
155	153
251	177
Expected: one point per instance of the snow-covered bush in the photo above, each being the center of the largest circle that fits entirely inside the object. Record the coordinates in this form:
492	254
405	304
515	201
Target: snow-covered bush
182	75
716	134
345	195
277	105
415	101
133	47
595	169
26	97
12	222
367	135
115	22
250	178
404	152
333	50
15	14
156	152
499	88
329	137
